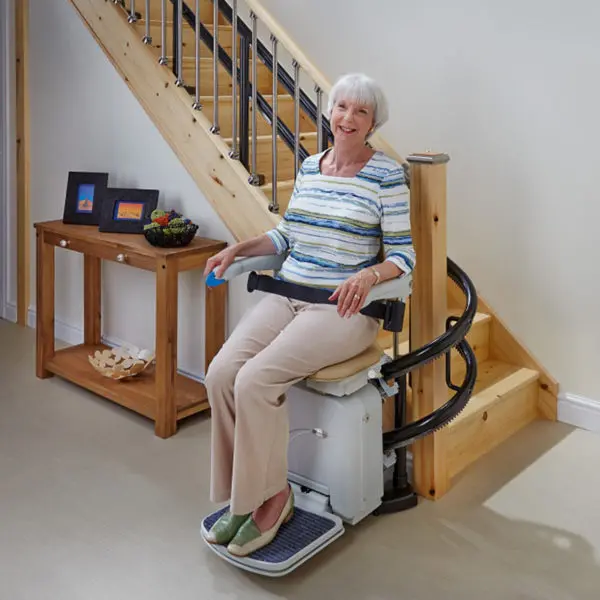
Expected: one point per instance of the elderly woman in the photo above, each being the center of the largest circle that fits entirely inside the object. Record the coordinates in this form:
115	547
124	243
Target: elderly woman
348	204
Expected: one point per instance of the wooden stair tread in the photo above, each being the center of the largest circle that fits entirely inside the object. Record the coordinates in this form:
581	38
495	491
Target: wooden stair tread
281	185
268	138
169	22
268	97
207	60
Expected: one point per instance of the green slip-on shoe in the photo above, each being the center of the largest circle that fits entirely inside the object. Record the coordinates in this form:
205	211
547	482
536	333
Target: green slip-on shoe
249	539
225	529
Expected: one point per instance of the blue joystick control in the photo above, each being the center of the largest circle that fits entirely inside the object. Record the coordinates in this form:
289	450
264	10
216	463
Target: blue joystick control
213	281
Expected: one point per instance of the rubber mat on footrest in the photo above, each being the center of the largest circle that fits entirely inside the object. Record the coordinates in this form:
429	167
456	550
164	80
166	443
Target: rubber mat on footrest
297	540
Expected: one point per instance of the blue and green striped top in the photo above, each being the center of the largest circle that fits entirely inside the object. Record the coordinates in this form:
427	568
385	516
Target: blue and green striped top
335	226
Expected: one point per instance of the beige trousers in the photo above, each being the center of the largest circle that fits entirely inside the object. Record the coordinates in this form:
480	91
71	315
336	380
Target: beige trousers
279	343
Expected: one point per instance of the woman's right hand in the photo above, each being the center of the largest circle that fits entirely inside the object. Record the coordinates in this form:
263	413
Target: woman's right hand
220	261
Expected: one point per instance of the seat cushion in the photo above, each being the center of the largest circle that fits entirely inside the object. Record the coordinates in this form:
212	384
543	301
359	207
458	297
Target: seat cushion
342	370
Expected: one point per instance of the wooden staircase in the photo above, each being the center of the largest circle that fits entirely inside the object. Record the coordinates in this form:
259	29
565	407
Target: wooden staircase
512	391
285	162
512	388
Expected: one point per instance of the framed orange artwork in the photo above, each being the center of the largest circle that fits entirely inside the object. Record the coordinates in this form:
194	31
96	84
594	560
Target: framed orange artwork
127	210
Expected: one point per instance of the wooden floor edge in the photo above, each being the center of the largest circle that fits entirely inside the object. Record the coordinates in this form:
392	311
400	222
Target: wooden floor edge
222	180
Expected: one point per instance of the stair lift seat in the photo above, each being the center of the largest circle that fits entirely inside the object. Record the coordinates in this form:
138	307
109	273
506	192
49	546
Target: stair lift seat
335	454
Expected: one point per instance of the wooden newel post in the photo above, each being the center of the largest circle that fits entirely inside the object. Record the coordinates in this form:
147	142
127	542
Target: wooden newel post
428	311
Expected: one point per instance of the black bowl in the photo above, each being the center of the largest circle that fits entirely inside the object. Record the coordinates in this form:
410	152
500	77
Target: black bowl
165	238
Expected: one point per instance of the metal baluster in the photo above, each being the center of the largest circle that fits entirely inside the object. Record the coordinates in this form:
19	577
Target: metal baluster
179	82
215	128
197	105
254	178
147	39
132	16
245	101
234	71
163	33
319	92
274	207
296	117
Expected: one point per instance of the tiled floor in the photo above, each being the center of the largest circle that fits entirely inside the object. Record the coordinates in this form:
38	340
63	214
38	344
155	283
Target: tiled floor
94	507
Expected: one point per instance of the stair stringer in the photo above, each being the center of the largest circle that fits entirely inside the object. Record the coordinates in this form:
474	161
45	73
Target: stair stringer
224	181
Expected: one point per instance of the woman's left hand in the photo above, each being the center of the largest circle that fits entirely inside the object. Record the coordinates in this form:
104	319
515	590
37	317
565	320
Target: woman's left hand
352	293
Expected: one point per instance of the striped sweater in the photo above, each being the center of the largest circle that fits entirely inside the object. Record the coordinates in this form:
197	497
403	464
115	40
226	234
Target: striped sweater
335	226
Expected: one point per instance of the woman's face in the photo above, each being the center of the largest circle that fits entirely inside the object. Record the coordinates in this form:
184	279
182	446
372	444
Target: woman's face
351	121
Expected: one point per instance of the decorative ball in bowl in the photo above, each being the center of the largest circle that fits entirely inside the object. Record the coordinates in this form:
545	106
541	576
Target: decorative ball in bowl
120	363
169	229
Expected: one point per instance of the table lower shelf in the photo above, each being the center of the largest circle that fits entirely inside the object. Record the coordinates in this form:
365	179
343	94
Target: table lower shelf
135	393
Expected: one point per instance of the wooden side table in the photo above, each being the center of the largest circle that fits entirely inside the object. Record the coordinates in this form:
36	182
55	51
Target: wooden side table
159	393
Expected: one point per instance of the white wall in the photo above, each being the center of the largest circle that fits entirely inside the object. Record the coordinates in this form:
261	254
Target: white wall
510	90
83	117
8	214
4	55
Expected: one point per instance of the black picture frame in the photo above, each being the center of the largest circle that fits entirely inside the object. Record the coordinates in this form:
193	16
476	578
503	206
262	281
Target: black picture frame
85	197
127	210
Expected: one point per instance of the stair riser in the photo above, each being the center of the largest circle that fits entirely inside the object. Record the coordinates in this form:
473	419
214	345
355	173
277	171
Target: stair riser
474	437
285	112
284	192
285	159
206	10
264	76
479	340
189	41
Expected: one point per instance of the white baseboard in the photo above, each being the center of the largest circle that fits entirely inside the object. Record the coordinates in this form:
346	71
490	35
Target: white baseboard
62	331
10	312
72	335
579	411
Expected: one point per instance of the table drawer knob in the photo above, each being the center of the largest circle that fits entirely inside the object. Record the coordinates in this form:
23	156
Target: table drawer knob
121	258
63	243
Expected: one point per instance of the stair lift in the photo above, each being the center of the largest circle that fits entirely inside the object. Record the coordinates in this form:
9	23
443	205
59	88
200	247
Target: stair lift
341	466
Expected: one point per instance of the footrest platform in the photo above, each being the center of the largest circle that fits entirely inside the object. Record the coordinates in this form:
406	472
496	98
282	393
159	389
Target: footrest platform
306	534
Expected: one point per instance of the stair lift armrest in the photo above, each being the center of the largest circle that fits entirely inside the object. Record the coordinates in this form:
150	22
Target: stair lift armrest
398	288
253	263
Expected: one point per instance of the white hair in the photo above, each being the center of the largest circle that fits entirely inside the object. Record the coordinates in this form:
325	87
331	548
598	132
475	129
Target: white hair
360	88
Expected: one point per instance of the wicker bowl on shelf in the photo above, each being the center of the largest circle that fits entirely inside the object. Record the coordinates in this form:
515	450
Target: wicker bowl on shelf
169	229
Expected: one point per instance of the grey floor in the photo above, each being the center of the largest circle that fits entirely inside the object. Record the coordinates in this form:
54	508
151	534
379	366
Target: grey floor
93	506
